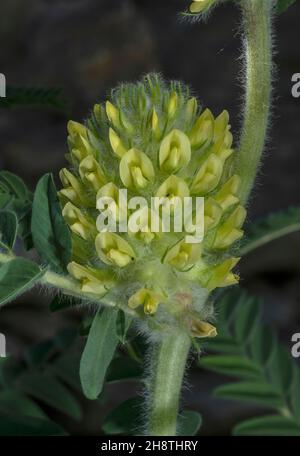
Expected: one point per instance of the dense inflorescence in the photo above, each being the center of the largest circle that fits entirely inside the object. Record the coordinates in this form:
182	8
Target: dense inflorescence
153	139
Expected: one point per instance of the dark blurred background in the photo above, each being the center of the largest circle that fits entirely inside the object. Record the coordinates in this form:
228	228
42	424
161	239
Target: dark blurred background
86	47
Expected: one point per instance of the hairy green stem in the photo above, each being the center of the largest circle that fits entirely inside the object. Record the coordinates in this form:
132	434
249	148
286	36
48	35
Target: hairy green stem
167	370
257	15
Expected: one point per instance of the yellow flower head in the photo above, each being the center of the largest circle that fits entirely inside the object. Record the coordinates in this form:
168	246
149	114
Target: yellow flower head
153	140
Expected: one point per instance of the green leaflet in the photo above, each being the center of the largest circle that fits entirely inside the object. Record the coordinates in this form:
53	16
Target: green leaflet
47	389
256	391
283	5
51	235
8	229
98	352
125	418
16	277
15	196
252	353
268	425
235	366
16	403
189	423
270	228
25	425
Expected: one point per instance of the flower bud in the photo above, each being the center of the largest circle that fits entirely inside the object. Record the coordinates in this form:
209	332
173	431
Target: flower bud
202	329
199	6
226	196
155	124
203	130
172	106
191	110
116	143
212	214
221	276
113	115
230	231
208	176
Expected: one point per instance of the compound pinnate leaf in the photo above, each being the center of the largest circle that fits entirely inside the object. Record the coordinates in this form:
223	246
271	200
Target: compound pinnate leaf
25	425
268	425
16	403
14	185
8	229
238	366
98	352
280	369
259	392
124	419
270	228
46	388
247	318
16	277
262	345
51	235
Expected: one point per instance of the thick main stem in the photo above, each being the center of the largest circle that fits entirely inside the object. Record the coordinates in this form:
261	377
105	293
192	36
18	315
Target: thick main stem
257	15
168	364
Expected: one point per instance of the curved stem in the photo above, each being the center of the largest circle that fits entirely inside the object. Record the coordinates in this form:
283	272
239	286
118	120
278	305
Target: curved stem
257	15
69	286
167	369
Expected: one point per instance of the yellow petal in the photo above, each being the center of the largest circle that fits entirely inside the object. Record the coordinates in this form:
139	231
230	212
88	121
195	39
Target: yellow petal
199	5
203	130
136	169
226	196
113	249
208	176
183	255
116	143
212	214
92	280
221	275
202	329
172	106
113	114
78	223
191	109
155	124
229	232
175	151
110	190
91	173
146	298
